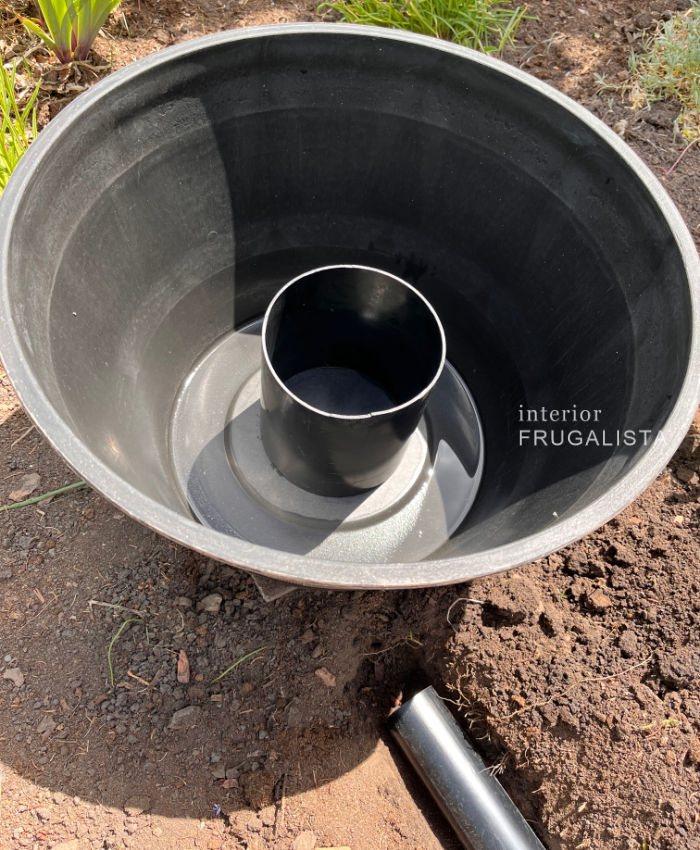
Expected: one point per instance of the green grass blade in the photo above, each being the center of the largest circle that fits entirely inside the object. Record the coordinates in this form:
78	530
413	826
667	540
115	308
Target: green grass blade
52	12
35	29
26	112
59	16
14	134
239	661
485	25
115	638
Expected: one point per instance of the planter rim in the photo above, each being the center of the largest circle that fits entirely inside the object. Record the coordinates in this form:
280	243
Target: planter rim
301	569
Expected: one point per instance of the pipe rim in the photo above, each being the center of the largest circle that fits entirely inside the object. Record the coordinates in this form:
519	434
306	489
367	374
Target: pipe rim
303	570
358	417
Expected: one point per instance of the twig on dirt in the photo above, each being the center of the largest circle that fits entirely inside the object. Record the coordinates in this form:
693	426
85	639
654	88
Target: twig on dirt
668	171
41	610
587	681
25	434
92	602
407	641
239	661
35	499
64	88
138	678
461	599
50	66
115	638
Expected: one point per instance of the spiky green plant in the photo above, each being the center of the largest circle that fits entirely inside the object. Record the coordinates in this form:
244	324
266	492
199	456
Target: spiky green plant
668	68
71	25
18	125
485	25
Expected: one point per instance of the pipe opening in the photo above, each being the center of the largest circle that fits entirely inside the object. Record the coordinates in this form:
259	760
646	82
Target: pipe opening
353	341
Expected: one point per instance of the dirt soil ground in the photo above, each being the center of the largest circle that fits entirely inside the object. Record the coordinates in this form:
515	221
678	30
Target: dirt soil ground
579	675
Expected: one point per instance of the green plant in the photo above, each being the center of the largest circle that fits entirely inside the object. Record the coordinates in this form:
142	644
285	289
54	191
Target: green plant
71	25
485	25
239	661
124	625
669	68
18	126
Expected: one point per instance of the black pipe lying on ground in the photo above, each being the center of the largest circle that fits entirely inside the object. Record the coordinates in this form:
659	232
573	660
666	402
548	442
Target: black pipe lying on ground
471	798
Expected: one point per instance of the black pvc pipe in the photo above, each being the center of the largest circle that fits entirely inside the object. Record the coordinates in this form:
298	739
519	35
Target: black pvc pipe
350	355
473	800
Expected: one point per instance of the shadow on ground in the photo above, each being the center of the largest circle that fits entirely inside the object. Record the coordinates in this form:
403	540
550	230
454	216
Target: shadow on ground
84	589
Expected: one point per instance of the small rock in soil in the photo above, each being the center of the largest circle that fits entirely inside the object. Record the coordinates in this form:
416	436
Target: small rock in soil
687	475
598	600
183	602
185	717
680	670
295	714
304	841
325	675
27	485
45	728
5	573
619	553
210	603
628	644
693	755
183	668
579	564
15	675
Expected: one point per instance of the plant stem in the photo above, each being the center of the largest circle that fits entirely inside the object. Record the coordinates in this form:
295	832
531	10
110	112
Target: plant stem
113	641
240	661
34	499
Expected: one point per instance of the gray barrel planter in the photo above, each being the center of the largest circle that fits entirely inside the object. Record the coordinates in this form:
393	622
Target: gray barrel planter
150	225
